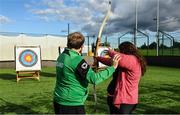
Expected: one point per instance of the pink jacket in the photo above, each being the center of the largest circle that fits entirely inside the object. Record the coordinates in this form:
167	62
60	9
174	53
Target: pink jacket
126	91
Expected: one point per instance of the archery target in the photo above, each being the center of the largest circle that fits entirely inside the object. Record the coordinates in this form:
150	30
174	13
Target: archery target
103	52
28	58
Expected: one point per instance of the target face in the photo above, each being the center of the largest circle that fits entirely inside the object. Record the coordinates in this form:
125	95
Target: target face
103	52
28	58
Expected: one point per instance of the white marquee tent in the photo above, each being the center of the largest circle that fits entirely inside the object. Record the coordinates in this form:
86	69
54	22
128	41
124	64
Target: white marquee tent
49	45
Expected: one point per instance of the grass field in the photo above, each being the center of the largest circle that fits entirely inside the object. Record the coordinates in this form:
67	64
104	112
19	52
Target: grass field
164	52
159	93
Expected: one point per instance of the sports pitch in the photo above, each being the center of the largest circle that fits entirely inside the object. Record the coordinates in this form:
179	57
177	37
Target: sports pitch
159	93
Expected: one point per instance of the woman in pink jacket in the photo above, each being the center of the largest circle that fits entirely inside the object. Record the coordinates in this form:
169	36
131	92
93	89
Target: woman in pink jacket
123	89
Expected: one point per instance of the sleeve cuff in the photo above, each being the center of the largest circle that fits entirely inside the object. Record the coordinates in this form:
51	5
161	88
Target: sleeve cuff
112	68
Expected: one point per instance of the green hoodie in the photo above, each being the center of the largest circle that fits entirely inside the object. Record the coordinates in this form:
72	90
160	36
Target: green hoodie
73	76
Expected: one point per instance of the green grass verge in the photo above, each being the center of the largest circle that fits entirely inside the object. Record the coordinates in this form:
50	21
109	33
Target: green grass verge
159	93
164	52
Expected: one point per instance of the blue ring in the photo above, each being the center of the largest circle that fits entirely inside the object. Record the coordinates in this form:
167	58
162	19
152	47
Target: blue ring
103	53
25	63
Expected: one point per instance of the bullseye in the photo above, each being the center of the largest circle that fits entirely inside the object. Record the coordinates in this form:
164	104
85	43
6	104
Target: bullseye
28	58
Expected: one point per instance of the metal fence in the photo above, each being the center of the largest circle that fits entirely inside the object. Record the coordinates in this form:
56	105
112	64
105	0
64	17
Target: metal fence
168	45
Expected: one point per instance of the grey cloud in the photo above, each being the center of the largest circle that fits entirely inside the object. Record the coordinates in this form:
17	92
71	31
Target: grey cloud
89	14
125	9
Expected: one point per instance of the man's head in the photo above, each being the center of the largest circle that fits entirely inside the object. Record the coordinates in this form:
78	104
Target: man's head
75	40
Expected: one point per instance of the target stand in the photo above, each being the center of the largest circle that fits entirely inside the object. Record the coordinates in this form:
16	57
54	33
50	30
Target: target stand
28	62
27	74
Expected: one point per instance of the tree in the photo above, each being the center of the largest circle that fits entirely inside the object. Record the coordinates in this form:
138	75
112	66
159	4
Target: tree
152	45
176	45
144	46
163	46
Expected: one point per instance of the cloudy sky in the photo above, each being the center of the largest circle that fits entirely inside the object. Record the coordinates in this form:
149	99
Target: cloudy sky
52	16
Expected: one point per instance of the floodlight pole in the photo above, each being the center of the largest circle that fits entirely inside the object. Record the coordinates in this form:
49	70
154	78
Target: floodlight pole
136	23
68	29
88	45
157	34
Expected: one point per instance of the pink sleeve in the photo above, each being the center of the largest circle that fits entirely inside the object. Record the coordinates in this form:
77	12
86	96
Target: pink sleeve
126	61
103	60
112	53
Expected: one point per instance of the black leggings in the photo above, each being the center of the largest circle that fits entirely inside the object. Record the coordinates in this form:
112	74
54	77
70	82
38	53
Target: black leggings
124	108
62	109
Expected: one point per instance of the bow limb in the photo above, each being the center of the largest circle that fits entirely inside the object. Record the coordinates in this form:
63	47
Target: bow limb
104	21
98	41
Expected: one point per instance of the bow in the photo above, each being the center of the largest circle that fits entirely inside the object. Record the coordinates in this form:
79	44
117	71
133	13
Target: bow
98	41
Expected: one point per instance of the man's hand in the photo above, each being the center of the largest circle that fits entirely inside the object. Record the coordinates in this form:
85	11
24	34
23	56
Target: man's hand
115	60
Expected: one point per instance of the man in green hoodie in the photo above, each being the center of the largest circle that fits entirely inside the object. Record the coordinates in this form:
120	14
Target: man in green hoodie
73	76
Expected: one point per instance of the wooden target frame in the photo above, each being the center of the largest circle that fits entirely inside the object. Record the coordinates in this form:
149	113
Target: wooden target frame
28	62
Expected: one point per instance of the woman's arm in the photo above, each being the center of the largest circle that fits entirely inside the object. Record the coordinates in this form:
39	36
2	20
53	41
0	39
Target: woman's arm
127	61
106	61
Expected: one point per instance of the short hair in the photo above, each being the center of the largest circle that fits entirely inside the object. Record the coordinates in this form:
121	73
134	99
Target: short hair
75	40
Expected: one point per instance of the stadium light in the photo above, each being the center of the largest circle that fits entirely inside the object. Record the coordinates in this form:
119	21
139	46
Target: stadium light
157	34
136	22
